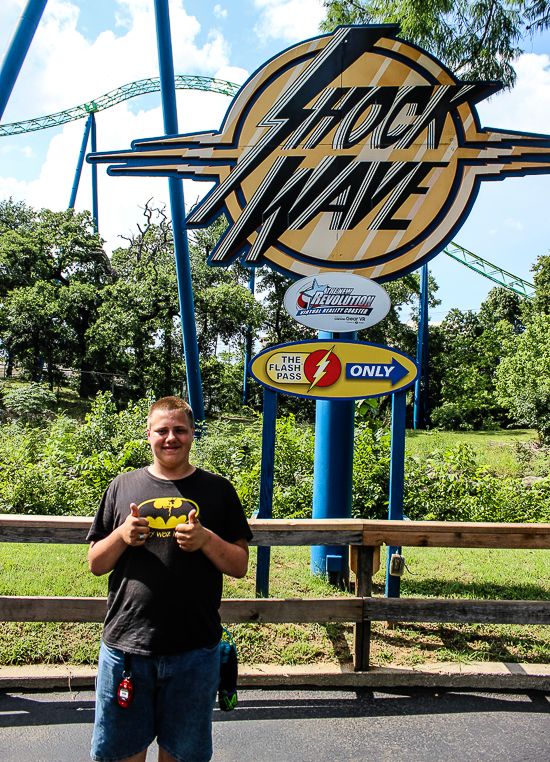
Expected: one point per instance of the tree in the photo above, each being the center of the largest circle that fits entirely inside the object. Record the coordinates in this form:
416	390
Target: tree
523	376
469	351
541	301
503	304
225	309
32	328
52	269
476	39
135	333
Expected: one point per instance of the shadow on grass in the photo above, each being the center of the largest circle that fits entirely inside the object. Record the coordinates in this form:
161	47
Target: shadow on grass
438	588
335	633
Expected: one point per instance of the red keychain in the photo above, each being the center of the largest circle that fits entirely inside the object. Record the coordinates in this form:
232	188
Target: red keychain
125	693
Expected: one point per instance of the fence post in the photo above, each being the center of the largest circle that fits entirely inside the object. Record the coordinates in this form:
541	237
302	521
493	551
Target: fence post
397	481
363	589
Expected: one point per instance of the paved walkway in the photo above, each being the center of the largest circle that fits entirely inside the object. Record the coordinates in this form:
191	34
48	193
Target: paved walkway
407	725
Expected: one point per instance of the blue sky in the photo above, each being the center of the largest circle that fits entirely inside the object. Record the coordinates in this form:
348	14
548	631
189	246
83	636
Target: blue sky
85	48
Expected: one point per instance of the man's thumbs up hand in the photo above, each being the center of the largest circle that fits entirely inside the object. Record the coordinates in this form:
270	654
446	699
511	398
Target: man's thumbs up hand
135	528
191	536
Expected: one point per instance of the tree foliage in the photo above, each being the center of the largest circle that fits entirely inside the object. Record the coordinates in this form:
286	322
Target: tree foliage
523	376
476	39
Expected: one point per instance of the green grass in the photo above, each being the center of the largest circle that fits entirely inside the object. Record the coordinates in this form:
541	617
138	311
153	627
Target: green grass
40	569
497	450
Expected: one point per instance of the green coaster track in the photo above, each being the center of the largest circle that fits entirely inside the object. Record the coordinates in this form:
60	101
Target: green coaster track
208	84
132	90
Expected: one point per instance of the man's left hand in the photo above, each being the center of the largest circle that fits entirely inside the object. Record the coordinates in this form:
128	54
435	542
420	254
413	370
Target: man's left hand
191	536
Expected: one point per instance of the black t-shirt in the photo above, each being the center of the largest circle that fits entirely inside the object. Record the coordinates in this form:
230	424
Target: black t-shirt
162	599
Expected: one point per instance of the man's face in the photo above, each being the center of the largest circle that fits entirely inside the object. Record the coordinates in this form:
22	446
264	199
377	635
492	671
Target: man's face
170	437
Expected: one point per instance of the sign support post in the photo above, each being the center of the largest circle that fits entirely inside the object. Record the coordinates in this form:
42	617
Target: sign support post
333	474
18	48
177	206
421	401
80	162
397	480
266	487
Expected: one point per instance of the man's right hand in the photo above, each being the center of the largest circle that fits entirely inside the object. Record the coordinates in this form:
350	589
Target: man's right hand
135	529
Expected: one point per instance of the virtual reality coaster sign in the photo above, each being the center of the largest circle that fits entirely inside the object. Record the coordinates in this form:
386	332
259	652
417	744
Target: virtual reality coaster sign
353	151
334	369
337	302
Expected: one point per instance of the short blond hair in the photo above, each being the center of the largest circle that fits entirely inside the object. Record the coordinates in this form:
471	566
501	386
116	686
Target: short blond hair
172	403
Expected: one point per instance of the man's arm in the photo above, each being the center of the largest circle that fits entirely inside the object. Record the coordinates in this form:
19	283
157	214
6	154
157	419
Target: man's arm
103	554
230	558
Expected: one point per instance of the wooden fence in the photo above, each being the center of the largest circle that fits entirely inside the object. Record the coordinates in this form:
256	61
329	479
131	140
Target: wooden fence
364	537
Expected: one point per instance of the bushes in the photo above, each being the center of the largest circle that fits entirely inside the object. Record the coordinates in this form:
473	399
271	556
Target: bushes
63	467
451	486
58	466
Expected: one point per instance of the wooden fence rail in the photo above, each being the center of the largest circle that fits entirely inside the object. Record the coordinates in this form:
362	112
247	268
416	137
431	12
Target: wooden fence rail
364	536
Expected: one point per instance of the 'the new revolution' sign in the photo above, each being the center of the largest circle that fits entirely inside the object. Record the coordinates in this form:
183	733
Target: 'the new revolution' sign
353	151
337	302
334	369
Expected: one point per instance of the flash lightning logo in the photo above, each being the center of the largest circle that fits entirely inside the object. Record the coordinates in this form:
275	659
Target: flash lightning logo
354	151
322	366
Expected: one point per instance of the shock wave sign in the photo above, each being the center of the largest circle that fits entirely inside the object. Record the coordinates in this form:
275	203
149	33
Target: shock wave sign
354	151
334	369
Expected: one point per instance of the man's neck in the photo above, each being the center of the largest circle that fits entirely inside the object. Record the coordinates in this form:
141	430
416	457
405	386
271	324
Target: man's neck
158	470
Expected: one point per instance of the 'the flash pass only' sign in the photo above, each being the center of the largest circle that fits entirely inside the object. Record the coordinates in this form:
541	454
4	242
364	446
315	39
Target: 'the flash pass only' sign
337	302
334	369
353	151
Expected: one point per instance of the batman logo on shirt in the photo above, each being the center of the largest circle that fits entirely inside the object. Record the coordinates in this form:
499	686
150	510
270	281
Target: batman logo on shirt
167	512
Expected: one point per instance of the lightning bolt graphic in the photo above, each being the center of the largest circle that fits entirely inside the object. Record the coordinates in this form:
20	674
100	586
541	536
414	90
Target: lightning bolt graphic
321	369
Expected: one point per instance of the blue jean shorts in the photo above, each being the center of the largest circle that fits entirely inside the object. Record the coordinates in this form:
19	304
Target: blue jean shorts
173	701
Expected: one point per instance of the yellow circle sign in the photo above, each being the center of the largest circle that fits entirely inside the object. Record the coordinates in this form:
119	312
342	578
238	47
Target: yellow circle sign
334	369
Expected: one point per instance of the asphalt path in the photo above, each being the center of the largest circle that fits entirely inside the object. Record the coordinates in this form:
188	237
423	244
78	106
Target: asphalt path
412	725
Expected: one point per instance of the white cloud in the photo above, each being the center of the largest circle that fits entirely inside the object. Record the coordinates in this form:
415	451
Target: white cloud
120	198
289	20
512	223
63	69
6	148
527	106
219	12
9	186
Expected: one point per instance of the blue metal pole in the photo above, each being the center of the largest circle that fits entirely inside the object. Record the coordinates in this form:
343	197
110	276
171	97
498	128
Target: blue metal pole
17	49
95	205
266	487
80	162
397	480
177	205
426	357
333	475
418	418
248	348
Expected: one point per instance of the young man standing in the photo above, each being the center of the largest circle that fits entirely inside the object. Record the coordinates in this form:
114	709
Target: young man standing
167	534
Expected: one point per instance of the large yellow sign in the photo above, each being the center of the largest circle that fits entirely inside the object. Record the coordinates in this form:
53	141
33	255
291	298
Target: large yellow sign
354	151
334	369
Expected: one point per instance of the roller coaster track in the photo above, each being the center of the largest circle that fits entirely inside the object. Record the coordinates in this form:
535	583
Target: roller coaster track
492	272
131	90
208	84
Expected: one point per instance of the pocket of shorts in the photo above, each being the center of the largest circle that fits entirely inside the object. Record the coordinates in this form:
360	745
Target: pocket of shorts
212	649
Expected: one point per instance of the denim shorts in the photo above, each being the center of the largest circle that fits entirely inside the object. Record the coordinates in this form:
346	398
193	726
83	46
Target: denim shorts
173	701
